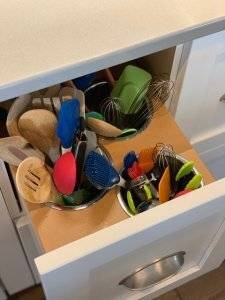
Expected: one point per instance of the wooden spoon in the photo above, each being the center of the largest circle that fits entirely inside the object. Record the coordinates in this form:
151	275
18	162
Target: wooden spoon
103	128
38	126
34	181
15	149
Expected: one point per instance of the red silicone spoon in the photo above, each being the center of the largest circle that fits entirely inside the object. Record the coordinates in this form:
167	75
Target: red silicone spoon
64	173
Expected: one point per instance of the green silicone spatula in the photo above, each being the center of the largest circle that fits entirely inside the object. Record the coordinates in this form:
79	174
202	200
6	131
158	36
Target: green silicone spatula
127	88
195	182
131	203
184	170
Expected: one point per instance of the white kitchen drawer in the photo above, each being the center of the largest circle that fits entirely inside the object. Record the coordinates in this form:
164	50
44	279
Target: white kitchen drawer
200	113
92	267
100	249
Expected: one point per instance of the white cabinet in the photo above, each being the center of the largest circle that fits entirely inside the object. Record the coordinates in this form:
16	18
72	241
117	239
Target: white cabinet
200	113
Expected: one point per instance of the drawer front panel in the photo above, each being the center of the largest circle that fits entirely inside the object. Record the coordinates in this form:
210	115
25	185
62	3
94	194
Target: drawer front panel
93	266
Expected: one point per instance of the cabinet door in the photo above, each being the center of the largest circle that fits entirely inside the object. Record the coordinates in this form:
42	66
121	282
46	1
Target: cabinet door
176	242
200	113
14	270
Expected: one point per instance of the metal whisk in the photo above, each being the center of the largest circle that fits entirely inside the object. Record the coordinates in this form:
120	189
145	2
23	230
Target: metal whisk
146	102
160	90
110	109
163	156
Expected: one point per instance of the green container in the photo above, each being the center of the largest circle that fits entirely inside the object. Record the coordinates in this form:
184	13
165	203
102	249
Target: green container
131	86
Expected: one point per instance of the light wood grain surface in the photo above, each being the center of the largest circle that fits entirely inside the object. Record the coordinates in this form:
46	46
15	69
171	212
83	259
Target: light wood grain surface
57	228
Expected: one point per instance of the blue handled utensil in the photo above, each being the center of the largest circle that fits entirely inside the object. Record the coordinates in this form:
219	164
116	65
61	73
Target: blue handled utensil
100	172
129	159
68	122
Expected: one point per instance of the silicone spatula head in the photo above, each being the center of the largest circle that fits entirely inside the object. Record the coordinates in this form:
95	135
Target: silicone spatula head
68	122
184	170
135	171
100	172
164	186
145	159
129	159
64	173
195	182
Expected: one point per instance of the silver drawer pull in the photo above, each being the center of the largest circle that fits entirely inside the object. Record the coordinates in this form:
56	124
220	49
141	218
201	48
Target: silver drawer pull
155	272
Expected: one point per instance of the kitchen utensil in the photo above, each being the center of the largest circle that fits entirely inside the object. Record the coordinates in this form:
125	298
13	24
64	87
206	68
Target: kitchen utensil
65	173
68	122
127	132
164	186
95	115
52	104
135	117
19	106
143	206
182	193
84	82
92	142
95	94
143	192
52	91
78	197
145	160
146	104
100	172
103	128
56	104
79	150
79	95
66	93
159	91
163	156
34	181
184	170
80	158
15	149
47	104
141	187
110	109
135	171
129	159
38	127
130	202
195	182
109	75
131	81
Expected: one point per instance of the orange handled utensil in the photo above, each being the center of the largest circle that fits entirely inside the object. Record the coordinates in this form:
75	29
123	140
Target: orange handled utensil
145	160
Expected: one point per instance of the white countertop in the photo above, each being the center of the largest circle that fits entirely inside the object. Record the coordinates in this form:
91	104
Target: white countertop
43	42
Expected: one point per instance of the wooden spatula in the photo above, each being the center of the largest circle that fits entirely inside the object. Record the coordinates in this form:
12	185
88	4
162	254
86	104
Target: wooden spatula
38	126
34	181
15	149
